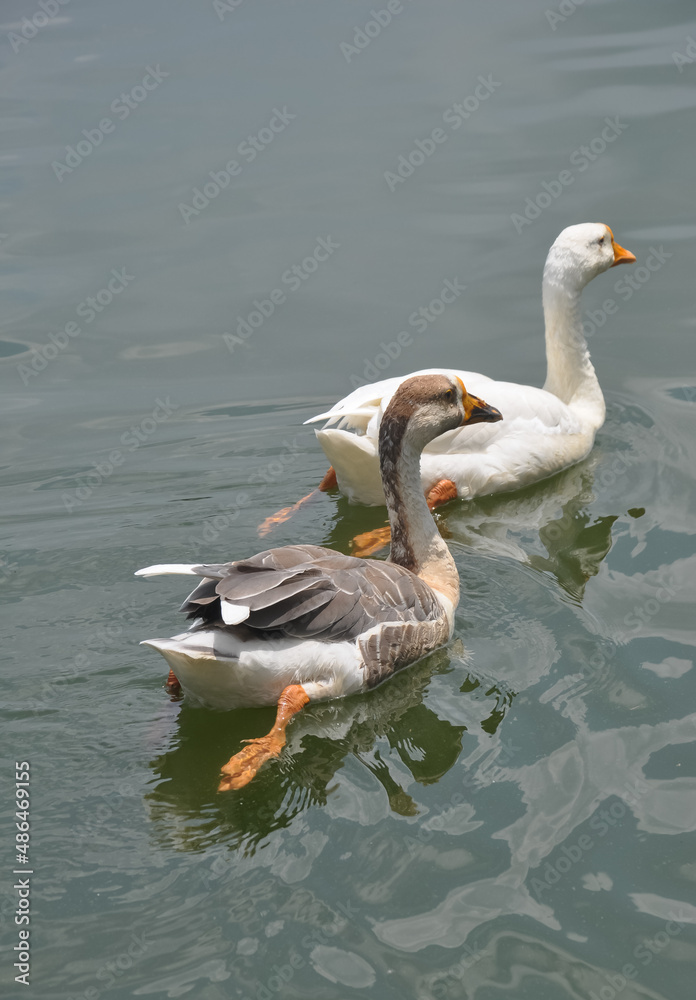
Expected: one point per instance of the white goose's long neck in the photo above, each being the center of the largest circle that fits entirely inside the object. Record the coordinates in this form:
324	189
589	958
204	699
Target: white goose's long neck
415	541
570	374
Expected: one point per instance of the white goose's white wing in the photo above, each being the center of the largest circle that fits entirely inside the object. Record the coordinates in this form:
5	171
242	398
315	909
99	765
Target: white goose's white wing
537	437
357	408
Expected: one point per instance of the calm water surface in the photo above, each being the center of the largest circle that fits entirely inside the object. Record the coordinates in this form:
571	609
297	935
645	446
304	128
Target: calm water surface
511	819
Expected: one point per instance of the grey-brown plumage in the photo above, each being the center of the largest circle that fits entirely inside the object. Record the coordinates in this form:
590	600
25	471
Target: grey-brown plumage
396	646
308	592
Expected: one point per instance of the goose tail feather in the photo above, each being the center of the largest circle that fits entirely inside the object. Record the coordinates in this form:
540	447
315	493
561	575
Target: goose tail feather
162	569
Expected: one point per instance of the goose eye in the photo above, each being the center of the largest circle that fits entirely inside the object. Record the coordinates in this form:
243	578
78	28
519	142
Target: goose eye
601	241
449	395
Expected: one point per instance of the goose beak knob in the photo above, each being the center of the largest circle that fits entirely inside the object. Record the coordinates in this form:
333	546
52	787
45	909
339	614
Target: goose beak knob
478	411
622	256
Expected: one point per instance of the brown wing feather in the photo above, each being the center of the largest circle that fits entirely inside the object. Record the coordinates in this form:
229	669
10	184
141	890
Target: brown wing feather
307	591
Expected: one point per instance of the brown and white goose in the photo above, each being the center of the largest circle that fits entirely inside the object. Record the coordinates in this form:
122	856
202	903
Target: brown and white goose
304	623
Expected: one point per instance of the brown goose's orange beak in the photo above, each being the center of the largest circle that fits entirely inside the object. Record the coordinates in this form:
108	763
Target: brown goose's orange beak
622	256
477	411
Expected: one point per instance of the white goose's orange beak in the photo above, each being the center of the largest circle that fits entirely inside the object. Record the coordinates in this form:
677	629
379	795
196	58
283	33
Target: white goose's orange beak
622	256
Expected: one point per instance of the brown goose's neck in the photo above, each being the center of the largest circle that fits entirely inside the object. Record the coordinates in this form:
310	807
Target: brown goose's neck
415	541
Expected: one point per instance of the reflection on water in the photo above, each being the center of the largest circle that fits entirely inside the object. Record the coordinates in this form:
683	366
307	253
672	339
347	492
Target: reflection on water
552	517
384	729
562	796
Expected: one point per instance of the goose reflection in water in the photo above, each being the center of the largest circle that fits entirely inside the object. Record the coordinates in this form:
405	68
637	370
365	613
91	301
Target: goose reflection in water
549	526
387	730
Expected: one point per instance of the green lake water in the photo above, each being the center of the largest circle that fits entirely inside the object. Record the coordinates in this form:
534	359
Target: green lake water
511	819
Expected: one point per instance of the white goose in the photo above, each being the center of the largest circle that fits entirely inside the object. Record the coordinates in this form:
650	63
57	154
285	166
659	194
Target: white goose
304	623
544	430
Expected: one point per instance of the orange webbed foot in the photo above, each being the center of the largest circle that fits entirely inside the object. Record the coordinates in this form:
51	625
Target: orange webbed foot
284	514
440	493
240	769
370	542
173	686
329	482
